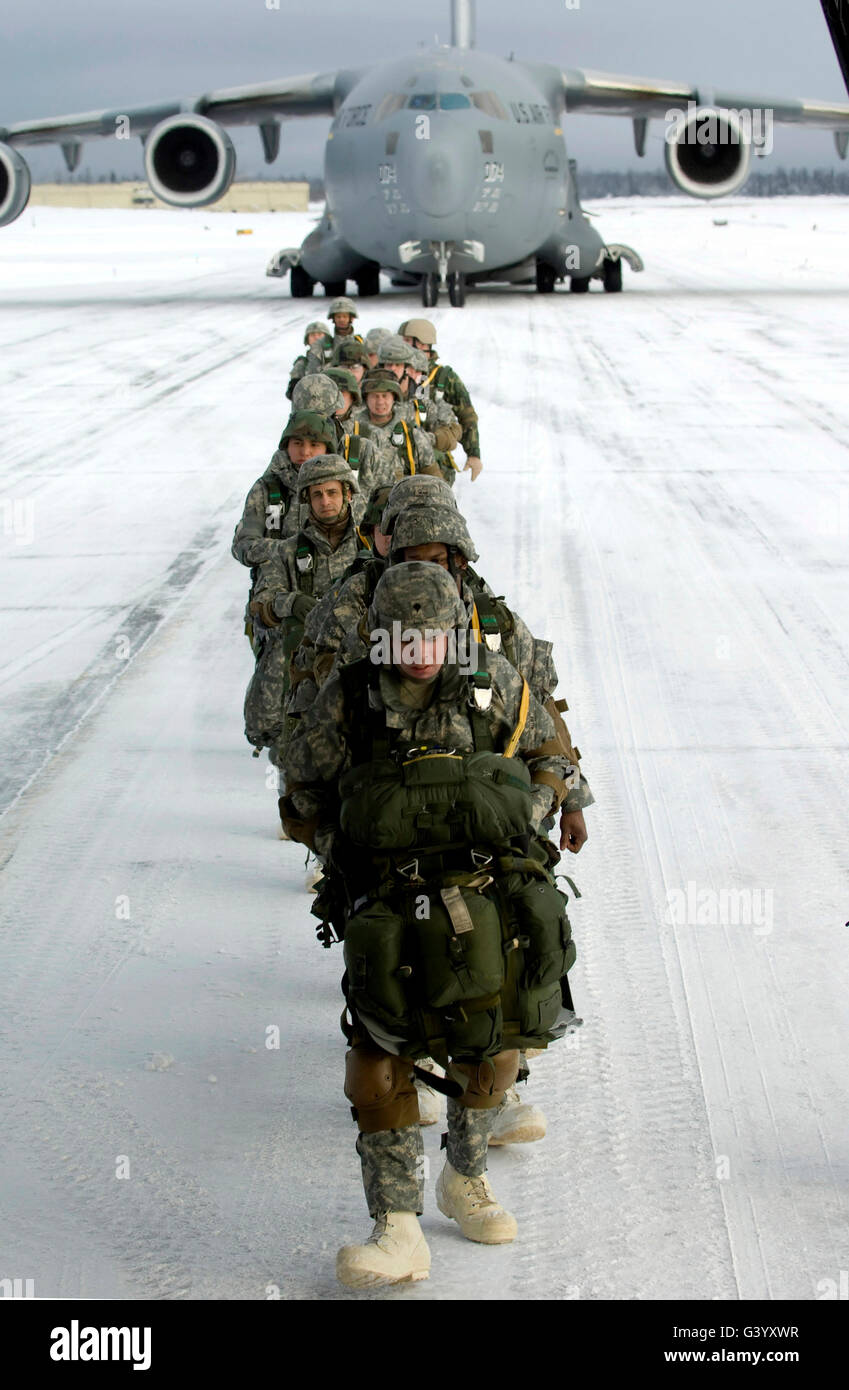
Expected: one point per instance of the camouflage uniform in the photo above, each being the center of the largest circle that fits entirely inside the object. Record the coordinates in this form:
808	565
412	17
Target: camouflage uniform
321	750
443	383
299	365
396	444
321	355
288	585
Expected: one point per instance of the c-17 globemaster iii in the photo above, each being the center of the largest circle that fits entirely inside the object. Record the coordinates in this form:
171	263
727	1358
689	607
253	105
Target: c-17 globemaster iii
445	168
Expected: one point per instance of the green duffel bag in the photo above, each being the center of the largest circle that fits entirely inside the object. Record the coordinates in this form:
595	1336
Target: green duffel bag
456	947
540	913
538	1011
436	799
373	950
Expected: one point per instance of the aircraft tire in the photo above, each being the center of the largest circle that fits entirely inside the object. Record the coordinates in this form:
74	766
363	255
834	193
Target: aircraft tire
301	282
430	291
546	276
334	289
457	289
579	284
612	276
368	282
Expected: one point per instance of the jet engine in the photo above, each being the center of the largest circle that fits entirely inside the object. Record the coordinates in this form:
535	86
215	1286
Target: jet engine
709	154
189	161
14	185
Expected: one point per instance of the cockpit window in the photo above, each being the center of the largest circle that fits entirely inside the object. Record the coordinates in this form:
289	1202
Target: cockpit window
391	103
490	105
453	101
423	101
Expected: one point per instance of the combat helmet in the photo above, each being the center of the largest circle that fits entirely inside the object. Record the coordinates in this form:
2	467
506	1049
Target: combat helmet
374	337
418	595
378	380
350	351
327	468
422	329
314	327
317	392
426	525
342	305
308	424
393	350
346	381
418	360
418	489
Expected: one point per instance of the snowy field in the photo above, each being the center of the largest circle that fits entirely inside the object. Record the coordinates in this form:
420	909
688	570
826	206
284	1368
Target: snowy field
666	496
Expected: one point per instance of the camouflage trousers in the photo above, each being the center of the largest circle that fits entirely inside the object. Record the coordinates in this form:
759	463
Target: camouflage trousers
393	1161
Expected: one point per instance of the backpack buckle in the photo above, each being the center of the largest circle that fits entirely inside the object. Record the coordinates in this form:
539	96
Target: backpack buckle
482	689
303	558
410	871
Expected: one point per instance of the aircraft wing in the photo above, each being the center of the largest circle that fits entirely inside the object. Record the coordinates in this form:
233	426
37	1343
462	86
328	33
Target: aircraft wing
313	94
613	94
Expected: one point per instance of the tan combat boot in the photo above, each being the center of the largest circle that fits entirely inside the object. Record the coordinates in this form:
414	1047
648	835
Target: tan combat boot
472	1204
396	1252
515	1122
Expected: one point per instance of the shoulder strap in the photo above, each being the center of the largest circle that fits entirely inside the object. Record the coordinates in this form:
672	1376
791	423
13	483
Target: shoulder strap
408	442
481	699
305	564
369	731
524	703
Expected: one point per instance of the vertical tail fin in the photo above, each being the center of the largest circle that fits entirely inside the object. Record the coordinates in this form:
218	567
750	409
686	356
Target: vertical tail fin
462	23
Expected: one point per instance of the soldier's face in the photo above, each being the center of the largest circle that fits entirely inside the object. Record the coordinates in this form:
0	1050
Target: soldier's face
357	369
299	450
380	404
397	369
314	337
372	359
417	343
434	553
326	500
348	402
424	657
342	321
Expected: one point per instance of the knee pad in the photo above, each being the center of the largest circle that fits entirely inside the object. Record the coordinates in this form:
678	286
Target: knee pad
488	1080
380	1089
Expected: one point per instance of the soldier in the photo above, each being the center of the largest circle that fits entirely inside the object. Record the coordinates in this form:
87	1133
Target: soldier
407	448
351	354
341	313
444	381
425	779
365	454
436	534
291	582
372	341
315	333
435	416
271	511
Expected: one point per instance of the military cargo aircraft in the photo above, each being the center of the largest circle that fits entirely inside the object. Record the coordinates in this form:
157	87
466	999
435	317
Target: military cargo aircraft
446	168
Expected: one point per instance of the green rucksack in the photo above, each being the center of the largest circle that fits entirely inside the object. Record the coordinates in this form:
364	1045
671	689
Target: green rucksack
456	937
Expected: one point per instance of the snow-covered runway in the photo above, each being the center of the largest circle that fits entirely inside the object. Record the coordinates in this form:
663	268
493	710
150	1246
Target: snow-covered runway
666	495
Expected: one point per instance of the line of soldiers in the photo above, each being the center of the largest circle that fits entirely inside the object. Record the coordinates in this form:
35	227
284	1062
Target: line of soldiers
424	761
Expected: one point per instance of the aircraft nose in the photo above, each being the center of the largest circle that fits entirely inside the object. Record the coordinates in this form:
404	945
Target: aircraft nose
441	179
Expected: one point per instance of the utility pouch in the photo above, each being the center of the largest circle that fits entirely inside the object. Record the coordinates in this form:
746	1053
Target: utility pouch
457	953
540	911
291	634
373	949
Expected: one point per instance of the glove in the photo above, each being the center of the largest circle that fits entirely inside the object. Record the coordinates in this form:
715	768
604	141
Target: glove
258	608
473	464
302	607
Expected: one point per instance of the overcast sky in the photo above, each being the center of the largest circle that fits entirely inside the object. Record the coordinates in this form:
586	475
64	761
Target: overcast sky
60	56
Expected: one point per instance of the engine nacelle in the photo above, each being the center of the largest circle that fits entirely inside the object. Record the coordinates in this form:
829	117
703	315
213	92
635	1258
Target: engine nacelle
708	153
189	161
14	184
